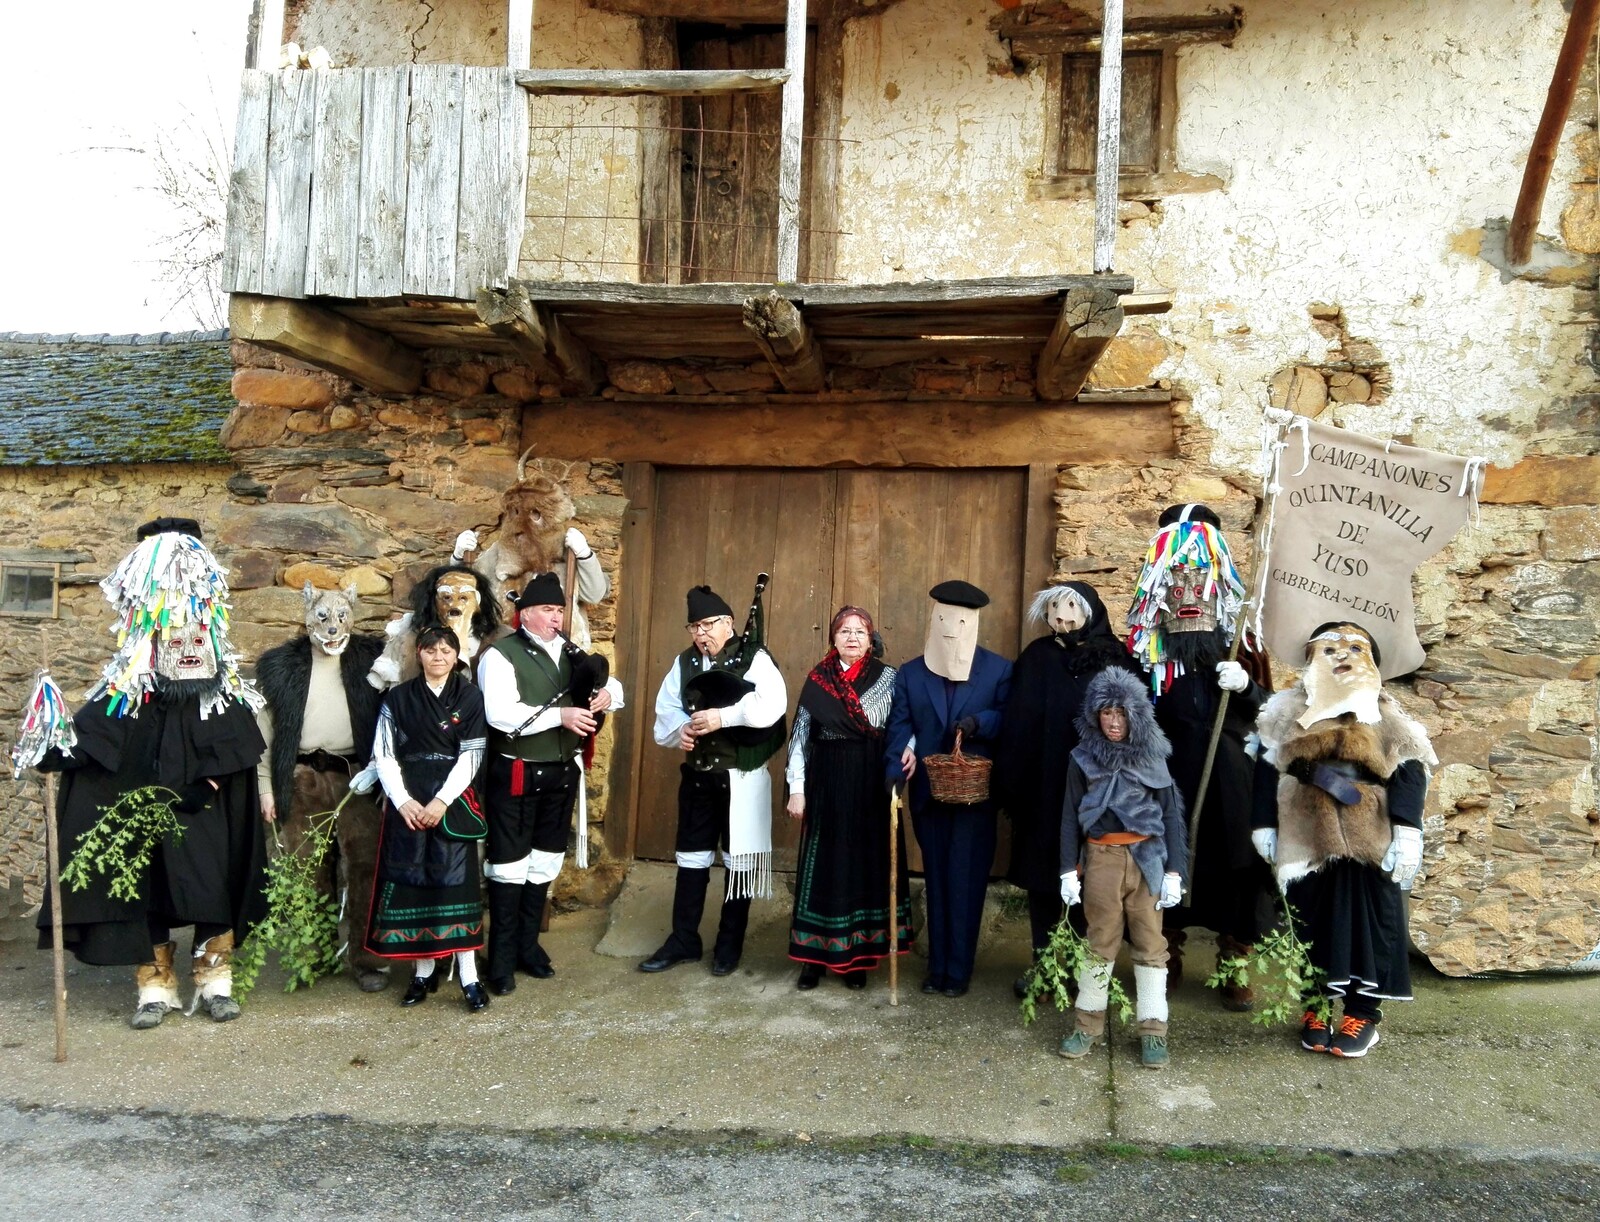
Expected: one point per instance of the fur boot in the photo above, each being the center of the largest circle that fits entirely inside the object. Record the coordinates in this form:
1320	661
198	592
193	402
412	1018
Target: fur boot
158	989
213	977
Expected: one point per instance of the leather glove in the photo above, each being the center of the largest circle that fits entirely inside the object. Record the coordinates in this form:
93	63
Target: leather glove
1231	677
1071	889
1404	857
1171	891
578	544
466	541
193	798
1266	841
968	727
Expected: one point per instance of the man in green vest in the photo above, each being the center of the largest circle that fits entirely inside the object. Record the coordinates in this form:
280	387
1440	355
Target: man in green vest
536	733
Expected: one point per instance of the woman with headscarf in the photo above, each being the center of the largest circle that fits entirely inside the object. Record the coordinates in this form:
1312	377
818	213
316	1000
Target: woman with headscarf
841	896
428	749
1038	733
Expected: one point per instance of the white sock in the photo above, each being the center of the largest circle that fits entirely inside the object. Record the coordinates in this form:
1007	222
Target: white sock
467	967
422	968
1150	993
1094	987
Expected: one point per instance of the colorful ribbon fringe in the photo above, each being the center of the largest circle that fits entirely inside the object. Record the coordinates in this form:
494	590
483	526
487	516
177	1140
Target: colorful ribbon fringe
1188	544
46	724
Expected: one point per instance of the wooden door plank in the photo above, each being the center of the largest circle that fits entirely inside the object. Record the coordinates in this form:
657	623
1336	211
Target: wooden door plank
433	179
381	209
635	586
335	185
1038	542
247	187
288	200
494	158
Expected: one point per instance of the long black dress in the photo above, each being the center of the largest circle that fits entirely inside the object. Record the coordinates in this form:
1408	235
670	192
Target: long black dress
841	895
426	902
212	875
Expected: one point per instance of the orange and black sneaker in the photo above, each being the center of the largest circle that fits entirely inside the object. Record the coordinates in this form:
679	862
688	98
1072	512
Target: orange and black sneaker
1354	1038
1313	1032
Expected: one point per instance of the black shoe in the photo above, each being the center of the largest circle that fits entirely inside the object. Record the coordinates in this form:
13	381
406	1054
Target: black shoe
930	985
856	979
419	988
724	967
476	998
665	958
809	975
501	985
954	990
1019	986
539	971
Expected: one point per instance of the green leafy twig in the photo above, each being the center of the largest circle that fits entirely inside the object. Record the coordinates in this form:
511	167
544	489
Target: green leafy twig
302	924
122	841
1287	983
1067	956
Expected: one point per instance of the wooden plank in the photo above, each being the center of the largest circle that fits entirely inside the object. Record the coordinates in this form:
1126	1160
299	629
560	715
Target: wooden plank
1153	301
660	155
884	296
555	354
635	584
1038	540
1570	63
784	339
821	256
268	45
335	185
326	339
790	147
288	199
681	83
712	12
1090	320
519	34
492	147
1109	137
1034	38
433	179
850	434
247	188
381	207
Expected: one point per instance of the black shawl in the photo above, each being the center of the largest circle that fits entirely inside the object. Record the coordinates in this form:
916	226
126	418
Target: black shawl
429	730
824	698
283	674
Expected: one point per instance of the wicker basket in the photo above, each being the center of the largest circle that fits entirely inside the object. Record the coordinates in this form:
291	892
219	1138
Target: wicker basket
958	779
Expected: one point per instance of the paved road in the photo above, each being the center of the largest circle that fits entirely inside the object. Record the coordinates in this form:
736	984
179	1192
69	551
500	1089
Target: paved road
60	1163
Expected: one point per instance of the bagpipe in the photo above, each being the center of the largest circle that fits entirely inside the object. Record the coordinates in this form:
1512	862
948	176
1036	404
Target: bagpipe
590	671
724	685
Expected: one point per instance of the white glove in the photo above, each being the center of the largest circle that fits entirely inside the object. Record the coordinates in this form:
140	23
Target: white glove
1071	889
1171	891
576	543
1266	841
466	541
385	672
1231	677
366	780
1404	857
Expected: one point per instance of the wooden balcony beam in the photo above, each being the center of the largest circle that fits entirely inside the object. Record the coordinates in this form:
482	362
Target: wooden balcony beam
327	340
1089	321
791	349
539	337
656	82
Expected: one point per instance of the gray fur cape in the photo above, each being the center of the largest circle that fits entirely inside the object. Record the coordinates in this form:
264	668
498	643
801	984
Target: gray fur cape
283	676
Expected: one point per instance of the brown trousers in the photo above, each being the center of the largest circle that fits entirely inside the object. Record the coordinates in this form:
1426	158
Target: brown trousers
356	842
1117	903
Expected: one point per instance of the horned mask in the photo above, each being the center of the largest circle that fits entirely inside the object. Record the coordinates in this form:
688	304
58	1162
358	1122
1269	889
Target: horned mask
330	615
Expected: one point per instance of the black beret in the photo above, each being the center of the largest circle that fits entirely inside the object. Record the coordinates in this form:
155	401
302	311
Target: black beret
1197	513
959	594
706	603
544	590
168	526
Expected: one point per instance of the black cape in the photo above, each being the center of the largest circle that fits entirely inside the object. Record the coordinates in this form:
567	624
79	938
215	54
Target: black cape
214	873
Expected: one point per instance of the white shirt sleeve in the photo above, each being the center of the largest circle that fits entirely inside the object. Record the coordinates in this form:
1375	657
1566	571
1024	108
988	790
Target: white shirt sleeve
394	787
767	703
670	717
502	706
466	767
264	765
614	686
795	770
593	585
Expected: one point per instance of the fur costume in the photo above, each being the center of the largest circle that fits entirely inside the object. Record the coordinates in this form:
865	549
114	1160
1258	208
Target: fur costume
399	660
283	675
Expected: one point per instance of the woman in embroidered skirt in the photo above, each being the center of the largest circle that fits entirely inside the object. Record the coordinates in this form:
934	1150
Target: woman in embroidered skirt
841	895
429	747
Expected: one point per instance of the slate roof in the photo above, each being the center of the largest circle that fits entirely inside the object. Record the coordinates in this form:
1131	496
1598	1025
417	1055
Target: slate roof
81	399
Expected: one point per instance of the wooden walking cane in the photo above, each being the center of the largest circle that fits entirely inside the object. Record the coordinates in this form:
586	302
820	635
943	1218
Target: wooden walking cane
58	952
894	894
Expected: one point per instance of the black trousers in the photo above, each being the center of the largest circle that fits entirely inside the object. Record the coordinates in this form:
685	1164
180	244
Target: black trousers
702	810
538	817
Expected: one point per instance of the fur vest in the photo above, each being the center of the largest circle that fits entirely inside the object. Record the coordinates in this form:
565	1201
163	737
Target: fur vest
1314	828
283	674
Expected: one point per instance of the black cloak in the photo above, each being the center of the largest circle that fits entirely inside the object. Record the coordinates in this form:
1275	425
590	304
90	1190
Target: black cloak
1038	733
214	873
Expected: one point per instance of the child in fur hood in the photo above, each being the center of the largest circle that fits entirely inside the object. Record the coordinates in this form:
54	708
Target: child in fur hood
1124	855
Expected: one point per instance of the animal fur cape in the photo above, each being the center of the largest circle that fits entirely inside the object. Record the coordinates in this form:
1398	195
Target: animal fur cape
283	676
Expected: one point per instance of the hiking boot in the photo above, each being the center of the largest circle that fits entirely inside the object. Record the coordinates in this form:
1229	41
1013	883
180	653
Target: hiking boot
1314	1032
221	1007
1355	1038
1076	1045
149	1015
1153	1051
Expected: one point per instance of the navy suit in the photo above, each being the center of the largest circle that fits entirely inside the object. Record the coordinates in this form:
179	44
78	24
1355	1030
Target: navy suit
957	841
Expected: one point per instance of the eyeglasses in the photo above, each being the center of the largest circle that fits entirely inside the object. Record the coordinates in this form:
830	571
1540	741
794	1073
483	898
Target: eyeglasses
705	625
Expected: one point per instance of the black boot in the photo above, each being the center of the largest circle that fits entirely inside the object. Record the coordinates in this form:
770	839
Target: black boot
531	957
730	935
505	902
688	903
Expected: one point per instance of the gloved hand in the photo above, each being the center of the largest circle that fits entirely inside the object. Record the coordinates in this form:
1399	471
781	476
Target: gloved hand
1071	889
1266	841
193	798
1231	677
1171	891
967	727
366	780
466	541
1404	857
577	543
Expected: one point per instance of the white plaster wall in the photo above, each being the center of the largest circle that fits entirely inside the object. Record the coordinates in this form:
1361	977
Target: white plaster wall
1357	142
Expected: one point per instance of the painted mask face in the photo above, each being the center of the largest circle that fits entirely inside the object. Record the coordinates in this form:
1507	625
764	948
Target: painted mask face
329	615
185	653
456	600
1340	669
1066	613
1186	608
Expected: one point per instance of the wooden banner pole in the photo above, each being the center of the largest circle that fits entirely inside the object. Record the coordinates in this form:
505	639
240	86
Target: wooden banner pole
52	842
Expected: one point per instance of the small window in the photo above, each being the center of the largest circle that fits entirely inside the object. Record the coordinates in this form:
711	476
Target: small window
28	589
1141	113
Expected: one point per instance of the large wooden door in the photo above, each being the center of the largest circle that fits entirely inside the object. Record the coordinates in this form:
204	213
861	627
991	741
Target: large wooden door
878	539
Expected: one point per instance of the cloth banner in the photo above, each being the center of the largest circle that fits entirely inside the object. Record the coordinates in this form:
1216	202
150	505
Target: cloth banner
1351	518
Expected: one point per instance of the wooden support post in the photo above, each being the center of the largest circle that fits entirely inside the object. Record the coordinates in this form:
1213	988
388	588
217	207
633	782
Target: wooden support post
790	150
327	340
1557	105
1108	139
660	162
783	337
821	244
519	34
269	35
555	354
1089	320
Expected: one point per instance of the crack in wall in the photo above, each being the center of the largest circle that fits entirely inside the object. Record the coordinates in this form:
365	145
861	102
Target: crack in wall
415	49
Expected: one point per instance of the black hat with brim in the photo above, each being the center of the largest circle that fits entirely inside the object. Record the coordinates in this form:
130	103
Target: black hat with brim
544	590
715	689
706	603
959	594
1196	513
168	526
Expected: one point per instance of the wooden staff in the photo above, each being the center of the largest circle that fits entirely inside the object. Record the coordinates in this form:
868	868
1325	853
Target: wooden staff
570	589
894	895
58	952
